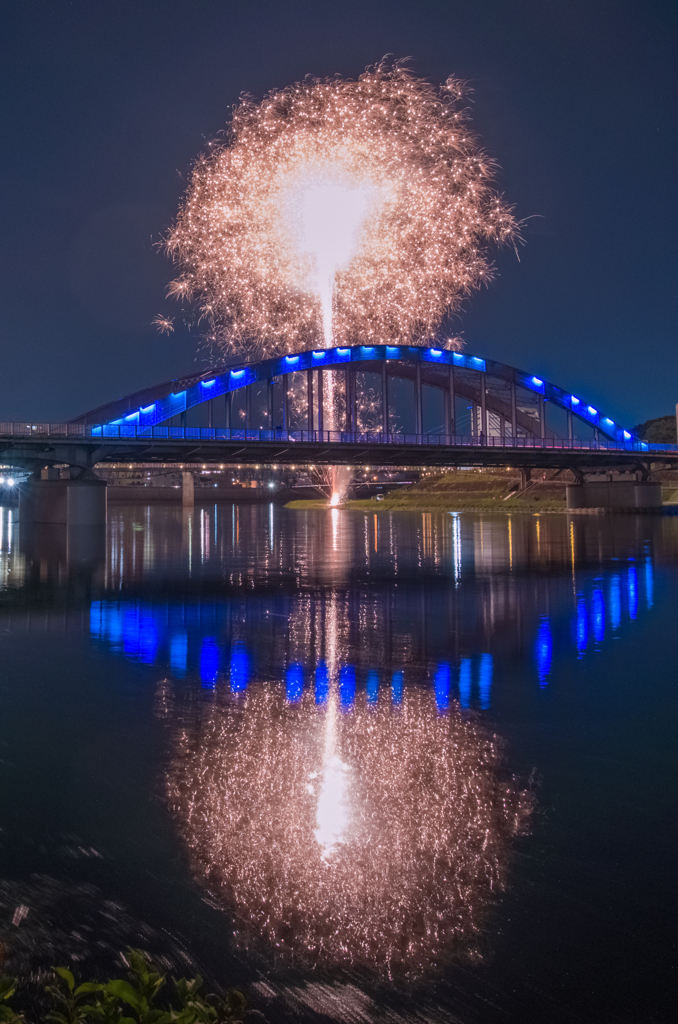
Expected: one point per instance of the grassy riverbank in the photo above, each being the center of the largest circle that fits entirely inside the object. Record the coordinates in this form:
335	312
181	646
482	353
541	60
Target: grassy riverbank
463	490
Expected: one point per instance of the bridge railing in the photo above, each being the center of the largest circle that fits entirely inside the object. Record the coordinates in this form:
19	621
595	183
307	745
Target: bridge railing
60	430
133	431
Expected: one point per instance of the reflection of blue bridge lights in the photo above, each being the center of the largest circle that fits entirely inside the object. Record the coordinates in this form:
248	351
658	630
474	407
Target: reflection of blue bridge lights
179	654
465	683
372	687
485	680
633	592
441	684
148	638
322	683
598	602
615	602
130	632
346	687
294	683
183	637
582	627
240	669
649	583
209	662
543	650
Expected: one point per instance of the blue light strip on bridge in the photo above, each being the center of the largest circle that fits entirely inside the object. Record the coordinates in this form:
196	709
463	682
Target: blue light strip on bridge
238	377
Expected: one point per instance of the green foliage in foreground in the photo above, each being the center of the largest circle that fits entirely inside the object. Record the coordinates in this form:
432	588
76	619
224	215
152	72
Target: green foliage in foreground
134	1000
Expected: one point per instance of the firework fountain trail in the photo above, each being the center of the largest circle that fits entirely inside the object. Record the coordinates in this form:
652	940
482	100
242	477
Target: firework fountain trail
338	212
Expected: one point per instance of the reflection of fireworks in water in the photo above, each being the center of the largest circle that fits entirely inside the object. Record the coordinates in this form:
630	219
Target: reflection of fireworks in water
339	210
375	836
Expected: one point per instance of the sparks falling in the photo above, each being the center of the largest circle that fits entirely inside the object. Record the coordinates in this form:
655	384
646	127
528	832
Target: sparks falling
339	212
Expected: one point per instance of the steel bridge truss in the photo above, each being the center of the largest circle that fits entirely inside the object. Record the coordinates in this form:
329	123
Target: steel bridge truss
449	394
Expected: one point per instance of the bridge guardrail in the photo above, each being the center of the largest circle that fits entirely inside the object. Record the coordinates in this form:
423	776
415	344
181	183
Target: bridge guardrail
45	429
81	431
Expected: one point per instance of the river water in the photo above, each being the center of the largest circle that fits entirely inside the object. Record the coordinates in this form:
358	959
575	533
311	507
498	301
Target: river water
379	767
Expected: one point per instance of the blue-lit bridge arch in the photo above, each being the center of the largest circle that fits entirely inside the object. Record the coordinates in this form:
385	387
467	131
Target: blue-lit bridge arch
383	388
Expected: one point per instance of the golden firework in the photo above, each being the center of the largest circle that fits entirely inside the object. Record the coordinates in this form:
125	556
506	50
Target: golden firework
351	211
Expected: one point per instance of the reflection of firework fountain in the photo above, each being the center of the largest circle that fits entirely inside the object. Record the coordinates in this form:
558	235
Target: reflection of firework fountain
338	211
374	837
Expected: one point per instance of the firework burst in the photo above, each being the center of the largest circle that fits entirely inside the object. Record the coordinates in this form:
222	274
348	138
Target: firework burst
164	324
352	211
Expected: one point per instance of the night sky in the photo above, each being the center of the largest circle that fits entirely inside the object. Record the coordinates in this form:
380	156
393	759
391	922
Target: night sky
106	104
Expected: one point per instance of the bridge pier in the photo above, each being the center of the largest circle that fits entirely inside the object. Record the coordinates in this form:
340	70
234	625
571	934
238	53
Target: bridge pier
187	490
50	500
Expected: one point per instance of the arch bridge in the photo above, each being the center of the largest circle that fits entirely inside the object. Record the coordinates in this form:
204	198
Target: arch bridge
395	405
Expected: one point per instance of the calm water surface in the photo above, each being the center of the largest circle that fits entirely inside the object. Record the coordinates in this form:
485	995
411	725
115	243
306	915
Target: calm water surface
371	767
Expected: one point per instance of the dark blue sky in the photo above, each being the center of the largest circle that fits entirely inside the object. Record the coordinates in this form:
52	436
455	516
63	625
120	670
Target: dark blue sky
104	103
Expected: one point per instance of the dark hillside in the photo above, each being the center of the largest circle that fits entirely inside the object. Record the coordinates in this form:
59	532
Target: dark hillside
659	431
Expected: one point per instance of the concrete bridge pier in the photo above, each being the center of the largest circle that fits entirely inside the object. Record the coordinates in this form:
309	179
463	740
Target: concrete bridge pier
43	499
86	503
187	490
50	499
614	491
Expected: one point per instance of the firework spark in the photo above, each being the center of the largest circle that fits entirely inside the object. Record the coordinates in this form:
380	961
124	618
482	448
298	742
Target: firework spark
374	836
164	324
336	210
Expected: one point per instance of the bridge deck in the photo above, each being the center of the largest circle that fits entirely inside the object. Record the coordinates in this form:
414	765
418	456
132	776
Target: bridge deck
31	443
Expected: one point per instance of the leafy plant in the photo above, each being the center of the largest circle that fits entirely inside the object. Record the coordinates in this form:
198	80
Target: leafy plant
7	990
132	1000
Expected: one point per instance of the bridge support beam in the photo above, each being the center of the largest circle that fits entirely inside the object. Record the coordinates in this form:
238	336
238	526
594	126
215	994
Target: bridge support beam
321	402
309	398
351	407
451	413
542	417
418	412
626	493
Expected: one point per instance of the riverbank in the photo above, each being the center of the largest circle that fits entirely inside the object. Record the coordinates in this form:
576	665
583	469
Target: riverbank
463	490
